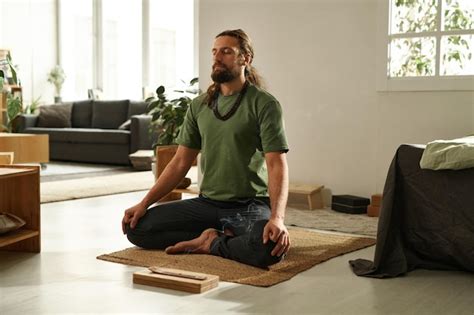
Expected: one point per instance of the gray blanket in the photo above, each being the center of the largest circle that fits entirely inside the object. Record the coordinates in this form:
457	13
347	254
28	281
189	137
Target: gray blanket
427	219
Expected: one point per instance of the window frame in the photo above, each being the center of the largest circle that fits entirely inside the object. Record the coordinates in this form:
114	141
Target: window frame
431	83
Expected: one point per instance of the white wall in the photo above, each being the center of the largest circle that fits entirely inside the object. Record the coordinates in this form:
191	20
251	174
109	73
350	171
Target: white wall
28	29
318	58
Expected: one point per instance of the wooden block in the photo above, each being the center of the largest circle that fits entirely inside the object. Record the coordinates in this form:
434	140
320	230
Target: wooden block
373	211
173	282
376	200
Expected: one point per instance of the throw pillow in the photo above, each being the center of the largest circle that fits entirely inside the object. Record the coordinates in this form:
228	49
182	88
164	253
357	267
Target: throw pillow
453	154
55	116
125	125
10	222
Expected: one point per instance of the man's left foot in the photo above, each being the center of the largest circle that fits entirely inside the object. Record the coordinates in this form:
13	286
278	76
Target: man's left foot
199	245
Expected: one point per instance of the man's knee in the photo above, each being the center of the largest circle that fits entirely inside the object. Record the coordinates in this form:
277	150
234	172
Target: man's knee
264	256
139	238
134	236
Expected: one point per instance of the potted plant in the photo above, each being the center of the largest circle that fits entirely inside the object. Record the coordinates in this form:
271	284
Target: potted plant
57	77
167	118
168	114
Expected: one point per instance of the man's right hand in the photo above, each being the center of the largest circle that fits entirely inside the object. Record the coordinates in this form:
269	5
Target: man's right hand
132	215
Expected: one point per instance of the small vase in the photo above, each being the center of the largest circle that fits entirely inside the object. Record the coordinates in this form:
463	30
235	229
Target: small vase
58	99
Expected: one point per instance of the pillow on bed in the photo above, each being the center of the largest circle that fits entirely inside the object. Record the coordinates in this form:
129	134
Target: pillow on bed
453	154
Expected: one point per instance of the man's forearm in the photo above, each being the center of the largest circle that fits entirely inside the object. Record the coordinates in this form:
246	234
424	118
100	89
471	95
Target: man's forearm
173	173
278	185
168	180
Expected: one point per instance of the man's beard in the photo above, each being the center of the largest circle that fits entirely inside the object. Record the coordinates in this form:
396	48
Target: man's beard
223	74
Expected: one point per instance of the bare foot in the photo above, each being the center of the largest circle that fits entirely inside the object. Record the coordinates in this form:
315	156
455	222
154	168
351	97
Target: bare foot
199	245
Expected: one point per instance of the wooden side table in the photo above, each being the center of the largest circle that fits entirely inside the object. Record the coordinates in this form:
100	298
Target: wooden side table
20	195
28	148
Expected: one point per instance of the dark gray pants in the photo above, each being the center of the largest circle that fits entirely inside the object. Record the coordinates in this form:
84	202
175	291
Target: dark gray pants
173	222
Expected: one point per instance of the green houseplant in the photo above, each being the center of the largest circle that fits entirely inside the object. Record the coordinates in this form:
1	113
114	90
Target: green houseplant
14	103
168	114
167	118
57	77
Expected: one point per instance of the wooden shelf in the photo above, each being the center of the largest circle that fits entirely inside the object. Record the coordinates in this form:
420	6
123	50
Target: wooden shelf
19	195
16	236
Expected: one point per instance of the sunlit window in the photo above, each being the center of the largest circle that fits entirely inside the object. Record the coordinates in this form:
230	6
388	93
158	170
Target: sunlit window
171	42
122	49
430	38
101	46
76	40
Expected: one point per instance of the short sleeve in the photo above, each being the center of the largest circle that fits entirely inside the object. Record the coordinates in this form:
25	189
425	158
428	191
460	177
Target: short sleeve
189	135
272	129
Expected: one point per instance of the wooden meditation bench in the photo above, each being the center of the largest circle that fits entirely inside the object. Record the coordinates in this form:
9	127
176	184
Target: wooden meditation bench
312	193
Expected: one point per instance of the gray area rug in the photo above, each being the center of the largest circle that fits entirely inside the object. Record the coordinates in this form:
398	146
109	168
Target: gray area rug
59	170
330	220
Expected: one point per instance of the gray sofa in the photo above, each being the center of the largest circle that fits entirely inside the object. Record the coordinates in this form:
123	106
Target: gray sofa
92	131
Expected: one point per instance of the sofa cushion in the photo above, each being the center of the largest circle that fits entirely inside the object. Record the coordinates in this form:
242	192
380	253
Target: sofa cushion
82	114
137	108
84	135
109	114
55	116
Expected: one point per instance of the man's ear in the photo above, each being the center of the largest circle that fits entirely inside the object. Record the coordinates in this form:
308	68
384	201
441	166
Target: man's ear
248	59
245	60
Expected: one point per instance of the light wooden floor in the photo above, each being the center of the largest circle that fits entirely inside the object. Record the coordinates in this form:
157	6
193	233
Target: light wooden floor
67	278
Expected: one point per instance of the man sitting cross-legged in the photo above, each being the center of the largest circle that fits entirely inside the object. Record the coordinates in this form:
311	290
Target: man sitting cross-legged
238	129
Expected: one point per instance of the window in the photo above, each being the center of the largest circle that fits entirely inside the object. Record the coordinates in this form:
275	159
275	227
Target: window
76	47
171	43
123	47
429	46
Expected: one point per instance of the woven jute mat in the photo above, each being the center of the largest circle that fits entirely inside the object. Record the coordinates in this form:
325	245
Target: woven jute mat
308	249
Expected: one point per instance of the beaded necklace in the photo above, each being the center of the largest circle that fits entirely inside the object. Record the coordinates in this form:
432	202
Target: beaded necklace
234	108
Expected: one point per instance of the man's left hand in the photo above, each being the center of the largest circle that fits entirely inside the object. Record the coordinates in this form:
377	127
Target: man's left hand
276	231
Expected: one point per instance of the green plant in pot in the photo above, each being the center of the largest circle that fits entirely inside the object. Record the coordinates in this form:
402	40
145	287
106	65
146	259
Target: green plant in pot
168	114
14	109
167	118
57	77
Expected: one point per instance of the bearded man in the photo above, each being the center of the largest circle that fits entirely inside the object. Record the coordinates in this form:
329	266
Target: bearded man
238	128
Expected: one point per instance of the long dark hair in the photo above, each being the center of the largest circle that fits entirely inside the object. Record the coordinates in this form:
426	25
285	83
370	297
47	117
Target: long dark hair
245	48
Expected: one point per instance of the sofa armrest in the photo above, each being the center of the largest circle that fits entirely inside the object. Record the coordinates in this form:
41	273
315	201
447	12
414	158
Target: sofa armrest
25	121
140	137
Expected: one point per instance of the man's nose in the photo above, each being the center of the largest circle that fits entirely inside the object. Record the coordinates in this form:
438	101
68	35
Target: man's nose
217	56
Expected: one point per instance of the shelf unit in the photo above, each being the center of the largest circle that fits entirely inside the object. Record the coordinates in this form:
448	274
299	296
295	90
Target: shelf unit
20	195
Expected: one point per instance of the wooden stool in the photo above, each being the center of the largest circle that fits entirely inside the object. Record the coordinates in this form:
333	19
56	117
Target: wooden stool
7	157
312	193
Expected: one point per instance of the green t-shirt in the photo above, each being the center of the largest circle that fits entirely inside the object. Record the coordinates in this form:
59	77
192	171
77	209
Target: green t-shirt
232	151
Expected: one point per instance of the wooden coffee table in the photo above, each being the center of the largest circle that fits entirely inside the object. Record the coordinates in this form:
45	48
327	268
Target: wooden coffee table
27	148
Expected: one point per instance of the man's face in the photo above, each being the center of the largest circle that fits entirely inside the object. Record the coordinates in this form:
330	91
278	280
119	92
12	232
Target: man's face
228	64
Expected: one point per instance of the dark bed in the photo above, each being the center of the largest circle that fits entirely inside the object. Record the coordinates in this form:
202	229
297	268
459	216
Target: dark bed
426	221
